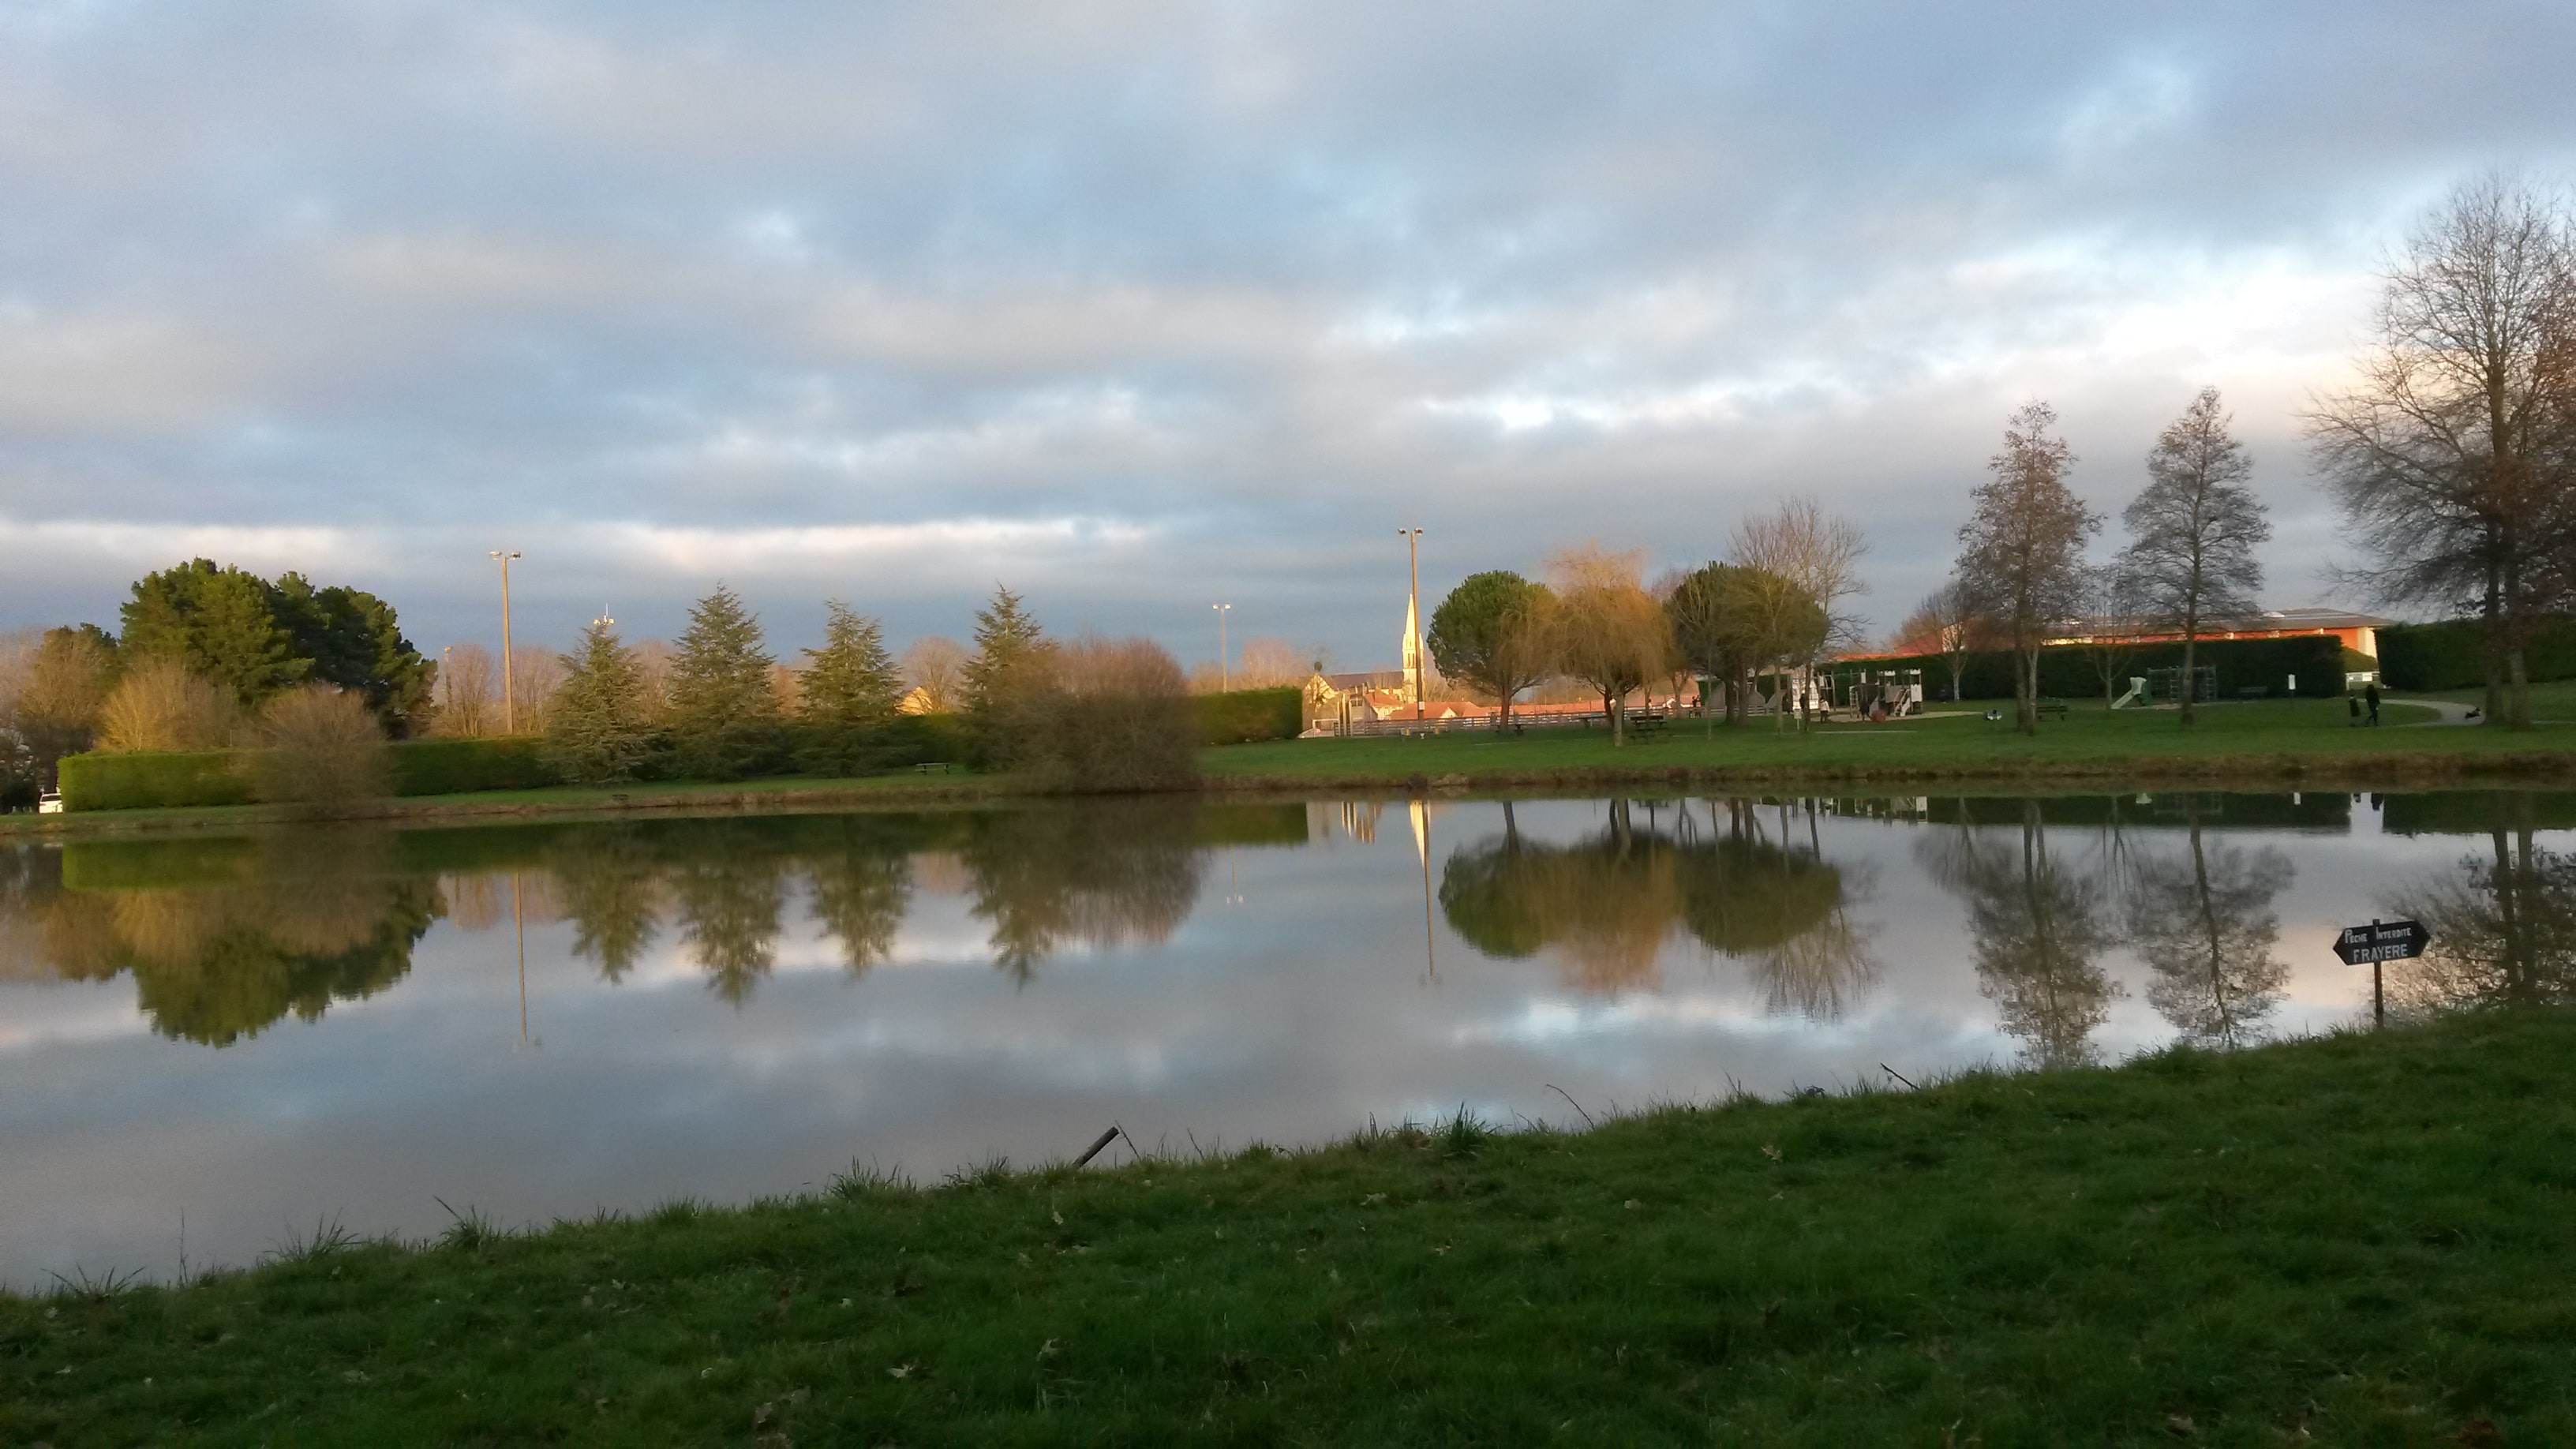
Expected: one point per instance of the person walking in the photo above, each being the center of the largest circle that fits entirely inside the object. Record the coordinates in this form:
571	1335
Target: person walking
2370	696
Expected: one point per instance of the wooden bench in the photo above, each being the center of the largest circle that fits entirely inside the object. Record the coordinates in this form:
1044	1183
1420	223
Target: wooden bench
1646	726
2055	707
933	767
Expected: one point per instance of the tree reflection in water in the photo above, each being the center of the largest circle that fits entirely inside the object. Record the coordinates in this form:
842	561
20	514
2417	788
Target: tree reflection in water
1098	873
290	923
730	893
861	890
607	884
2036	934
2503	924
2204	924
1605	905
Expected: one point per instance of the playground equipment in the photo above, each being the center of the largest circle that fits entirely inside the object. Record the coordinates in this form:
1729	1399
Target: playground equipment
2137	692
2165	685
1868	691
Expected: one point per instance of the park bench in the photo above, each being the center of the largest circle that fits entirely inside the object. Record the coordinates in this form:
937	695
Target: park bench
933	767
1646	726
2055	707
2254	691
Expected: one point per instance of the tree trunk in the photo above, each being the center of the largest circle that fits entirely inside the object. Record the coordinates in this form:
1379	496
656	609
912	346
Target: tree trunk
1616	706
2490	651
2517	688
2190	680
2026	690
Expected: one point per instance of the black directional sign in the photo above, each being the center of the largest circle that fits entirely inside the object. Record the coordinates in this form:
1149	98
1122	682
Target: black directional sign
2382	941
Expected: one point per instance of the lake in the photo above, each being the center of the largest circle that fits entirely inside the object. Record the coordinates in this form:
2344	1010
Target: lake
210	1045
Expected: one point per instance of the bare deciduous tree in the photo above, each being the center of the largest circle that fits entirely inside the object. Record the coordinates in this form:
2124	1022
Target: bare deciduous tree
2021	555
936	665
1267	663
535	673
653	659
1946	621
2193	529
161	705
1819	554
2451	456
466	698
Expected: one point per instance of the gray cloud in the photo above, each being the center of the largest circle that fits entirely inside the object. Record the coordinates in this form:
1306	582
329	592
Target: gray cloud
1136	306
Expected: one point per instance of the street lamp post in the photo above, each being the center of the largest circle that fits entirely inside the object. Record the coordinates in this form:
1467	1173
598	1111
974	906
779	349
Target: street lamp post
1413	611
1224	662
509	694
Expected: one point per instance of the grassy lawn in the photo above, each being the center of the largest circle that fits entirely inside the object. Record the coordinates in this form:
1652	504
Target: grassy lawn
2362	1239
2256	735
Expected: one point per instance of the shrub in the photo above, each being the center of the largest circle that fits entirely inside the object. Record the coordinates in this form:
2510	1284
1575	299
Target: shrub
160	705
320	747
2448	654
1244	715
1101	714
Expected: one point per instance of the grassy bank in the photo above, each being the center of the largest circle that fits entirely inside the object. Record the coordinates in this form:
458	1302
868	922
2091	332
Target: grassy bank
2270	742
2362	1239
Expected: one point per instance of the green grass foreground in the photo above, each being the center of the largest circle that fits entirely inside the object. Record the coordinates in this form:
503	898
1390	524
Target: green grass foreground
2362	1239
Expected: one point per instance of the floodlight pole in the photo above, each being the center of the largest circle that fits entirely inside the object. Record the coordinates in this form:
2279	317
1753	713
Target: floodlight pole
1413	601
1224	663
509	695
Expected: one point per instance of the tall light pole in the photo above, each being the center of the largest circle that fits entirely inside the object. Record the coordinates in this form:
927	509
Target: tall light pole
509	695
1413	612
1224	664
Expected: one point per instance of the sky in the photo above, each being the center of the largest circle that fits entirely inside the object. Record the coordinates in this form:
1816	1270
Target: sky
1139	308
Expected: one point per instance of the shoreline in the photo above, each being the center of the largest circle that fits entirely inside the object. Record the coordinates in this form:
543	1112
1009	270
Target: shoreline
2253	773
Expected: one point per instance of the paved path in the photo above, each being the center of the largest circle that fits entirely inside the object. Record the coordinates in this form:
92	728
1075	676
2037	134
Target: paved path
2451	714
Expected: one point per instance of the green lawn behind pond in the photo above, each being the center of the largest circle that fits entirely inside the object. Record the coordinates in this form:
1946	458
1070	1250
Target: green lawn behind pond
2358	1240
2255	737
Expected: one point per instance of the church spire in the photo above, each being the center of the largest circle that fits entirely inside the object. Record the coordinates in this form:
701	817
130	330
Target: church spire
1412	651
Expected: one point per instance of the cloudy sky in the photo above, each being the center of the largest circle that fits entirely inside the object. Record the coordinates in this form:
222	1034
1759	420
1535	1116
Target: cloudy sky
1138	307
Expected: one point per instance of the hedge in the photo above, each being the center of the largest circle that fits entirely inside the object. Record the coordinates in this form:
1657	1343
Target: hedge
2448	655
1242	716
454	767
2066	670
158	780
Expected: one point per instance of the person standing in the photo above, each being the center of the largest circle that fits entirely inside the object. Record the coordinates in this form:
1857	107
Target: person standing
2370	696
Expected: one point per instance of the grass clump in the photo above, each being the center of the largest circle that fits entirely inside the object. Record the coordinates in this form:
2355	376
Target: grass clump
2354	1240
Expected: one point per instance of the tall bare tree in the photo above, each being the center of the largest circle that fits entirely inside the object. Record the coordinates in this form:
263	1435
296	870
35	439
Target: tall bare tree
2451	457
2193	529
1947	621
1818	554
465	695
2021	555
936	665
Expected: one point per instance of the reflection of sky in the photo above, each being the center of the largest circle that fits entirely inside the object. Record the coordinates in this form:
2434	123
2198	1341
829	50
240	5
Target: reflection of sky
1295	1013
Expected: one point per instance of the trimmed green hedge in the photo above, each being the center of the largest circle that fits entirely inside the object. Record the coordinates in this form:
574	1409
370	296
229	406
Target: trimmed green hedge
454	767
2446	655
159	780
2066	670
1242	716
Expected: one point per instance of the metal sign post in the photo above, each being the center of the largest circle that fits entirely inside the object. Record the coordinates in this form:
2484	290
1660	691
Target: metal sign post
2381	941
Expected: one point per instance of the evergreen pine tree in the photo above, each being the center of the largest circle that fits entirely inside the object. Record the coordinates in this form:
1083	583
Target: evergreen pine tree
1004	676
851	681
723	713
595	729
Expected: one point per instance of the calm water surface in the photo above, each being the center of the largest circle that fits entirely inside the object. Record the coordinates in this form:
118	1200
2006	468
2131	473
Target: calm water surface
248	1034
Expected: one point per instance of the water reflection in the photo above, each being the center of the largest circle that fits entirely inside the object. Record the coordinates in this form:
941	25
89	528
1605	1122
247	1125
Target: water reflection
2204	923
1606	904
2037	932
1098	874
2503	921
291	922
